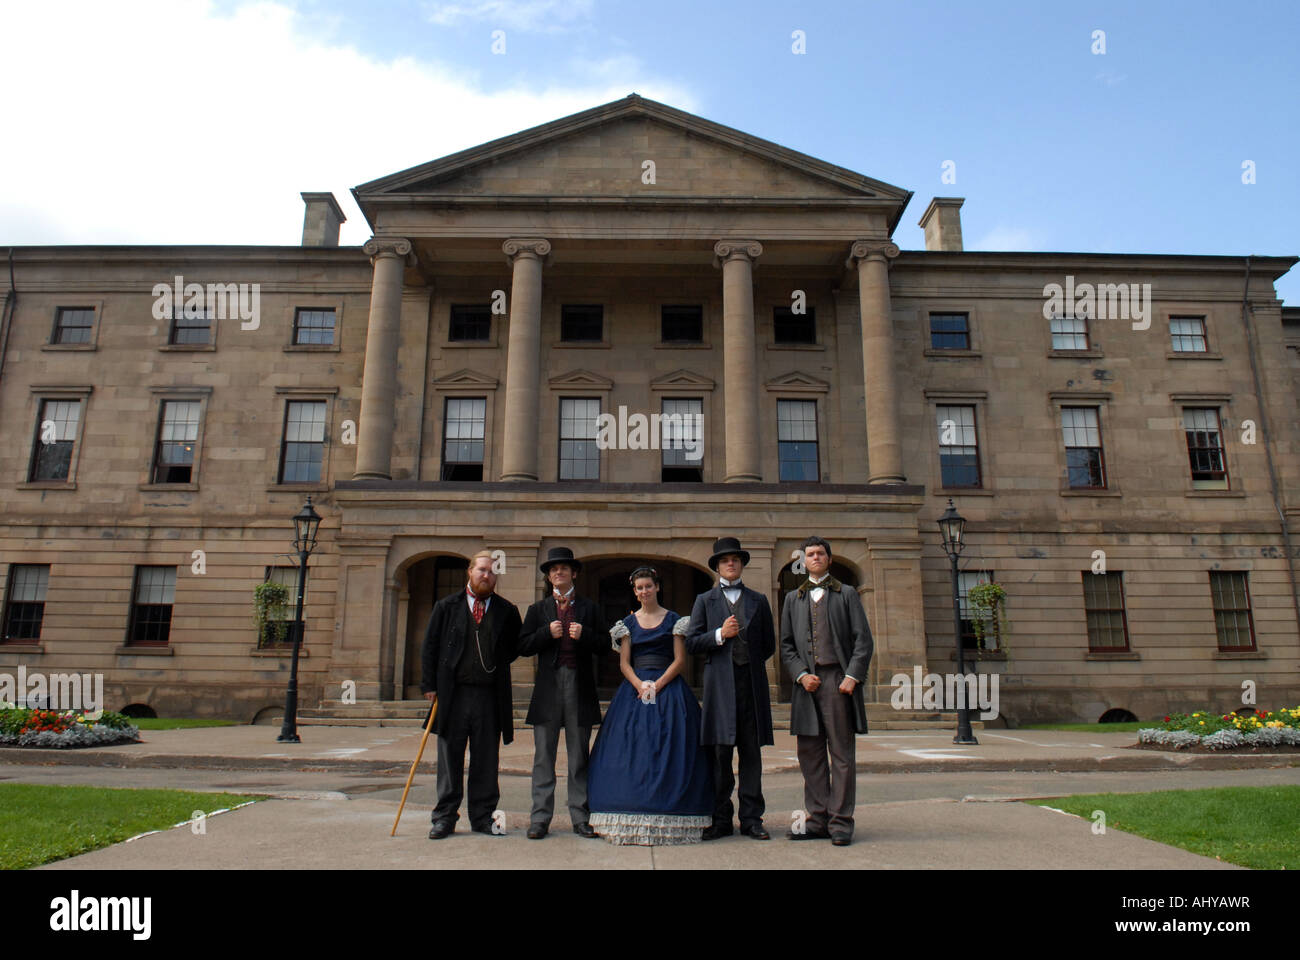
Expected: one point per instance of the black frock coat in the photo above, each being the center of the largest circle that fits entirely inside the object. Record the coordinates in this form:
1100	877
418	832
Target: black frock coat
535	638
451	628
718	723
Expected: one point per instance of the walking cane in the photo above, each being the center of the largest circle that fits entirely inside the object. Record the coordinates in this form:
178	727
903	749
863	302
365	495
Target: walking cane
433	711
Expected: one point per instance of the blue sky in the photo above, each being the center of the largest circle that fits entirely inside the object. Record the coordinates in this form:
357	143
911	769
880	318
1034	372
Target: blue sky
199	121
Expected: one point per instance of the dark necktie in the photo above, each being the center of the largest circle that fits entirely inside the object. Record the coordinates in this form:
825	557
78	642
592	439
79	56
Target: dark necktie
479	608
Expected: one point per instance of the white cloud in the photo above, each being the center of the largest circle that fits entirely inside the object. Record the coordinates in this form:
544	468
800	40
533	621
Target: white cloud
175	123
530	15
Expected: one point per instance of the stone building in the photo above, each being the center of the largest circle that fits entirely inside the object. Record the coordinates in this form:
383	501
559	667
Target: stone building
1122	432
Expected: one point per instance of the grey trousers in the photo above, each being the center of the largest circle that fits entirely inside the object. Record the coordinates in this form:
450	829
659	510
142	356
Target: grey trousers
830	790
577	744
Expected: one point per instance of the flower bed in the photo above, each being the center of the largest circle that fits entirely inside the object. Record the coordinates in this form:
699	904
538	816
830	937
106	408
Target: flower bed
20	727
1263	729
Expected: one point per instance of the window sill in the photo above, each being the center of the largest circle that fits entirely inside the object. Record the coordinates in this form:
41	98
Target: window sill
67	346
1240	655
1087	492
682	345
1076	354
581	345
48	485
953	354
1192	355
142	650
12	647
961	492
168	487
796	346
285	651
1116	655
312	348
297	487
187	347
1214	493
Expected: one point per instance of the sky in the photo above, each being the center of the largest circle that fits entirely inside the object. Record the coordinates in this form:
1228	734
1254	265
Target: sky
1126	127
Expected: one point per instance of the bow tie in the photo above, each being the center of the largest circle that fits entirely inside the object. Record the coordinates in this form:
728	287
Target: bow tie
738	585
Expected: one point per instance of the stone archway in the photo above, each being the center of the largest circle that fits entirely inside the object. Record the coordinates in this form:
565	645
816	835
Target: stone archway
428	580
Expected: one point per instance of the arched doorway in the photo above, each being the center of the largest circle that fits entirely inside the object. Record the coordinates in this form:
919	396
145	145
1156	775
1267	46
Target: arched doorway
789	581
427	582
605	581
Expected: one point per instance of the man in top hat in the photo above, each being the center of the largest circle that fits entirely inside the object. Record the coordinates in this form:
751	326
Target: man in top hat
826	647
731	625
564	630
468	647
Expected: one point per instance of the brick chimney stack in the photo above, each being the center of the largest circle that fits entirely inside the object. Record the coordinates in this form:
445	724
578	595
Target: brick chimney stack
320	222
942	223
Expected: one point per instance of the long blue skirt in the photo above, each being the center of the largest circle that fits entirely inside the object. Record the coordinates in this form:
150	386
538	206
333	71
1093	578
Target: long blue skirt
649	781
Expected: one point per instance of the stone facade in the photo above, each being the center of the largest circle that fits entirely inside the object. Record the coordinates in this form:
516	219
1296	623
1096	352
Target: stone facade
634	206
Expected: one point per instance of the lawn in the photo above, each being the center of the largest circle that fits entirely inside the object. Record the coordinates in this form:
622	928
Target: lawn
1251	826
41	824
179	723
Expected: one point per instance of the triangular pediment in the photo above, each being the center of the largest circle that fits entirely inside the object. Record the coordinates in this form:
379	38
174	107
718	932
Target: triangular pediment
603	152
798	382
682	379
584	379
467	378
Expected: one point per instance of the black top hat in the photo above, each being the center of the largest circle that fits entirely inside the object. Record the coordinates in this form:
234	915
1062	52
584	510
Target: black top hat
560	555
724	546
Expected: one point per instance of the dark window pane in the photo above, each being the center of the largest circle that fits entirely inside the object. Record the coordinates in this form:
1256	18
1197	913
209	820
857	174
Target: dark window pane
470	321
791	327
73	324
683	323
313	326
949	331
56	434
581	322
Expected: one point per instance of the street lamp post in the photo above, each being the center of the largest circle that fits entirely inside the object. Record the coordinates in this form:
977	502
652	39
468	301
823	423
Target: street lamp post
305	523
952	525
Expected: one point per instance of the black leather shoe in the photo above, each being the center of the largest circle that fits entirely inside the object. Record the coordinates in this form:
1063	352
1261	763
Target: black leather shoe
715	831
808	835
488	830
756	831
440	829
584	830
842	839
537	831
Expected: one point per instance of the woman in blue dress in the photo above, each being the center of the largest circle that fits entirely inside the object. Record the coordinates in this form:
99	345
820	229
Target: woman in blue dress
649	781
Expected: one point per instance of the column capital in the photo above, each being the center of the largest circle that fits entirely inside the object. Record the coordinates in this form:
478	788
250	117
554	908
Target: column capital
534	247
725	250
883	250
377	248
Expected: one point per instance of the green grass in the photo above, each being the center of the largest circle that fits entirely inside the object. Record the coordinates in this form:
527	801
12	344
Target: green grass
1251	826
1093	727
179	723
41	824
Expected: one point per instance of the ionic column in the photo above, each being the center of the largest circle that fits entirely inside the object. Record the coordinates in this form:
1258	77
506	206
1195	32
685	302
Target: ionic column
739	358
884	449
388	256
523	358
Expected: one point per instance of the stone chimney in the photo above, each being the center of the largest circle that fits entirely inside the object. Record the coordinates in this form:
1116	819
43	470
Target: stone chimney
320	223
942	223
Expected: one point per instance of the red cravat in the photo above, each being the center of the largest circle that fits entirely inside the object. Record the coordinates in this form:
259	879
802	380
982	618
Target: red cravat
479	608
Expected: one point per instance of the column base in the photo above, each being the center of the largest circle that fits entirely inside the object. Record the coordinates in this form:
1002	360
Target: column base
743	478
371	475
887	478
519	476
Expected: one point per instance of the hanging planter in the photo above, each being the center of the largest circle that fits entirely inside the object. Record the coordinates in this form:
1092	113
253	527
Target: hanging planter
986	605
270	605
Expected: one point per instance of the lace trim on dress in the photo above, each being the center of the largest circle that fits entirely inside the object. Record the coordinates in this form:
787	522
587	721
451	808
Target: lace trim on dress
649	829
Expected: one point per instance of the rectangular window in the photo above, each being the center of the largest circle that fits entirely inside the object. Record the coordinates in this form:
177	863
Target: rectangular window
286	577
796	439
959	464
965	580
1084	464
73	324
464	419
682	323
303	448
579	455
153	594
950	331
1205	448
56	433
582	322
191	326
1069	333
1187	334
791	327
681	441
470	321
1103	600
173	460
313	325
1232	618
25	602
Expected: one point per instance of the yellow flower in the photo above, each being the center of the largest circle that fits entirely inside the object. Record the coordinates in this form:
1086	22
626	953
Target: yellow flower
1202	722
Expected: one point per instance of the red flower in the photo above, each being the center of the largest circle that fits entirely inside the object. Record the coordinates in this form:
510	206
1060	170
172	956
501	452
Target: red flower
1166	719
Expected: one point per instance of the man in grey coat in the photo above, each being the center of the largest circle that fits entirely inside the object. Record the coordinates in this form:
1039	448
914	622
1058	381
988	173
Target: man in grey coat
826	647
